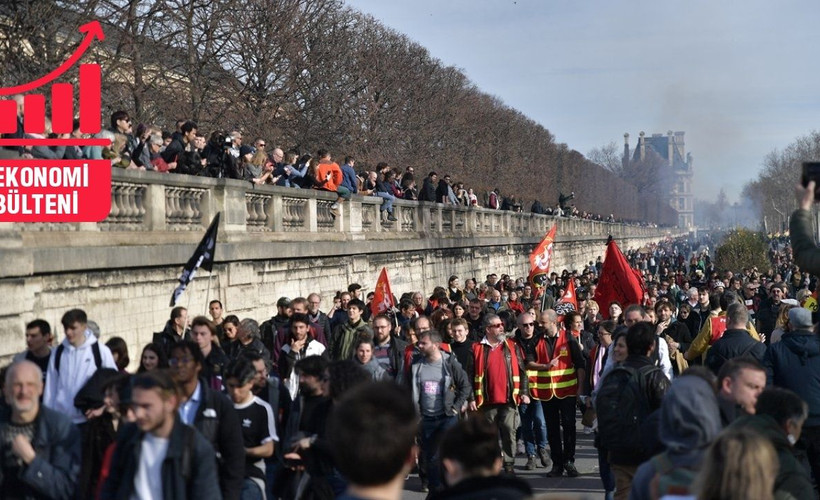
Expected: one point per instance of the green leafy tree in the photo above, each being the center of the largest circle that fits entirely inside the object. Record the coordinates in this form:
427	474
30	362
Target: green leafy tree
742	248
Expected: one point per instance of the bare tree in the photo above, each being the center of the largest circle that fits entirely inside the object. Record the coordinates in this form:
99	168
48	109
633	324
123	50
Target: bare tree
609	157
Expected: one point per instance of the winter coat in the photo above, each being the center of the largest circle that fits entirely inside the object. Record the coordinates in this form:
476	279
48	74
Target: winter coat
53	472
733	344
202	483
794	364
792	479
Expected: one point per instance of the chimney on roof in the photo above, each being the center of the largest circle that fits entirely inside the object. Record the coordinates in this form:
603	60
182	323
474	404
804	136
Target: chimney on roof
625	159
670	140
642	145
679	143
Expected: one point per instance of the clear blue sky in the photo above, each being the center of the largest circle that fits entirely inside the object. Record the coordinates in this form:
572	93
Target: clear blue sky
740	78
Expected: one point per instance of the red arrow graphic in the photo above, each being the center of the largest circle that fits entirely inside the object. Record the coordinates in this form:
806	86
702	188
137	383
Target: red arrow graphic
92	30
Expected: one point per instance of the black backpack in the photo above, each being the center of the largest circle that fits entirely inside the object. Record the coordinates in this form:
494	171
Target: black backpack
95	350
622	407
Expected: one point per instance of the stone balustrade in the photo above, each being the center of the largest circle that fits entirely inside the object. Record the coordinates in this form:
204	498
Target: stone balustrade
149	201
273	242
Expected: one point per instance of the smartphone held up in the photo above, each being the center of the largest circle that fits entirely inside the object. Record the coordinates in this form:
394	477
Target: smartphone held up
811	172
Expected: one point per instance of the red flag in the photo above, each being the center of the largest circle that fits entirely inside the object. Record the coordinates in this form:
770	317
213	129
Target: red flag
540	261
568	302
618	282
382	295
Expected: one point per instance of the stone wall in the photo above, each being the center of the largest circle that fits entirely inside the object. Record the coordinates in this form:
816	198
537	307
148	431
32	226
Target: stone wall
122	272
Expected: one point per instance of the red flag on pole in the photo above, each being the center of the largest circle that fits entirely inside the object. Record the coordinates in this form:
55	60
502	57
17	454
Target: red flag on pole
618	282
568	302
540	261
382	295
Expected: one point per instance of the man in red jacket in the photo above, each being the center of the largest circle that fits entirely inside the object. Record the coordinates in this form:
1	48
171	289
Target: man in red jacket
500	383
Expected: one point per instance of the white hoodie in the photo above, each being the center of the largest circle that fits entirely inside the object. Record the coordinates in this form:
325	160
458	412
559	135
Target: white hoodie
76	367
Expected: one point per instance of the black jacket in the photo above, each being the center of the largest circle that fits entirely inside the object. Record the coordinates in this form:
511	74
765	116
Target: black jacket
656	386
767	317
493	487
168	337
201	483
792	478
236	348
213	366
397	348
218	422
680	333
734	344
428	190
442	191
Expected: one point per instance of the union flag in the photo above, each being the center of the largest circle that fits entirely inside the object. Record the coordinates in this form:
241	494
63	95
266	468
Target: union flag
540	261
568	302
618	281
382	295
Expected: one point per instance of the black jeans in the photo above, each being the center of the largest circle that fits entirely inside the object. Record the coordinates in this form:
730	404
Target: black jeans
561	413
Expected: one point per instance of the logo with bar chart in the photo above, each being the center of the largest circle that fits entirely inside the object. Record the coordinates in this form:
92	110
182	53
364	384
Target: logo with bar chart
48	170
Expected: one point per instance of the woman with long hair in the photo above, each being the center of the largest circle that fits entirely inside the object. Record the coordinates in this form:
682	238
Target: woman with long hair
119	349
781	326
152	358
740	465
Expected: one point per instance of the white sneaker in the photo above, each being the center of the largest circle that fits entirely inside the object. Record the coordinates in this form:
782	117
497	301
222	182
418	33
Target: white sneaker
334	206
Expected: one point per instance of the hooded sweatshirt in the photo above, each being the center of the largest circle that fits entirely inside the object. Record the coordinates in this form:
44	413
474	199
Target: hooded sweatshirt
77	365
794	364
689	422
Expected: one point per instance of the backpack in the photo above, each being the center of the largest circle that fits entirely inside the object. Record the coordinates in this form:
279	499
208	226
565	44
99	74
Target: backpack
622	407
670	479
95	349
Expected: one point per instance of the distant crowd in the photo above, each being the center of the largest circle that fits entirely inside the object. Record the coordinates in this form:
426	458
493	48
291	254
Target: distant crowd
225	154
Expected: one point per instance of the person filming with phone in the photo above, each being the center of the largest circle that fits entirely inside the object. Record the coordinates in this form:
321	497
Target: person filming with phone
801	225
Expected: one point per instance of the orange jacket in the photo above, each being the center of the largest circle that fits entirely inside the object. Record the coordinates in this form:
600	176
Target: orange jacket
335	176
559	381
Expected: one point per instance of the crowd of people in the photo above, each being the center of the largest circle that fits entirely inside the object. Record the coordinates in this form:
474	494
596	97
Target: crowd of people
711	366
226	154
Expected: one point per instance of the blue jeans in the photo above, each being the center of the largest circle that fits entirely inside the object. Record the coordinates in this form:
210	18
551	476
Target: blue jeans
432	428
387	204
533	427
607	477
251	491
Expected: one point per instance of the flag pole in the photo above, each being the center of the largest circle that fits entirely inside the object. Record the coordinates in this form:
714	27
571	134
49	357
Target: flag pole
188	305
208	292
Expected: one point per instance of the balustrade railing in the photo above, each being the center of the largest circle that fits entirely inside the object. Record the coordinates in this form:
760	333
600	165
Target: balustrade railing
150	201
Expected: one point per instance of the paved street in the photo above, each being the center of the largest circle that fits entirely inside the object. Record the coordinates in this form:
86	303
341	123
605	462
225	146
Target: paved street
586	459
